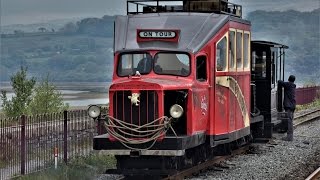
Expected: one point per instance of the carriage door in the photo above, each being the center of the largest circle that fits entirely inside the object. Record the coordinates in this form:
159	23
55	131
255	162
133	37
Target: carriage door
202	91
279	76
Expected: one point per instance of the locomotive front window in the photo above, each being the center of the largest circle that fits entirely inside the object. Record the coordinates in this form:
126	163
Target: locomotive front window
129	64
172	64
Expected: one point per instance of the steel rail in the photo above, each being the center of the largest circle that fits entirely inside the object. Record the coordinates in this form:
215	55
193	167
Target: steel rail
205	165
296	122
306	114
315	175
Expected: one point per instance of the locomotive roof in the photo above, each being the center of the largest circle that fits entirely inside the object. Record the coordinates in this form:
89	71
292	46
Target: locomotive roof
196	29
271	44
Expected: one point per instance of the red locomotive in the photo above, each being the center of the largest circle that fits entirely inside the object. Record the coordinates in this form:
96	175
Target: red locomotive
188	84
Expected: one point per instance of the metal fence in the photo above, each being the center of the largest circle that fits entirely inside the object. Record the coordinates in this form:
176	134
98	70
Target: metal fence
307	94
27	143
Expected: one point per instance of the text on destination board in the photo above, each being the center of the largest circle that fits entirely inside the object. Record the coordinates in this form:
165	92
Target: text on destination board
157	34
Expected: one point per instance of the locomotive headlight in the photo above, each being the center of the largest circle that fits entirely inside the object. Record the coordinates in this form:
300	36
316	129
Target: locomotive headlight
176	111
94	111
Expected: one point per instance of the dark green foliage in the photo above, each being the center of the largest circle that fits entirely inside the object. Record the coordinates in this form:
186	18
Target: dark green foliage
97	26
22	87
91	26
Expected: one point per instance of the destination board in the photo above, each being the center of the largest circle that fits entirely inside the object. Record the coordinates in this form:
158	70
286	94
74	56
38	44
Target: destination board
157	35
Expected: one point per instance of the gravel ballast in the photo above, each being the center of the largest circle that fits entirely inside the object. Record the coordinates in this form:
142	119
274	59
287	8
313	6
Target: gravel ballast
275	160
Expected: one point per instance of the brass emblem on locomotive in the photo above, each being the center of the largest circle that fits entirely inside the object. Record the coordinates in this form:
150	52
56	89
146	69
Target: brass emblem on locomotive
134	99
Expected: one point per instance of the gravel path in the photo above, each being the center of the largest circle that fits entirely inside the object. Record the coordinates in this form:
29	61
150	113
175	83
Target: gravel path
276	160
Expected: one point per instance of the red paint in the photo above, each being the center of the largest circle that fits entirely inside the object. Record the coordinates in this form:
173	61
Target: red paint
223	114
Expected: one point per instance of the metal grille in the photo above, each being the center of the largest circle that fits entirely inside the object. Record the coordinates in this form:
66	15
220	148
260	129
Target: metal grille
146	112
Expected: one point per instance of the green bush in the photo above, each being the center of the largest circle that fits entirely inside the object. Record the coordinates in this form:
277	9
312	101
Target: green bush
85	168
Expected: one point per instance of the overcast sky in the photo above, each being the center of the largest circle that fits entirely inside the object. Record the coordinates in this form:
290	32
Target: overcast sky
35	11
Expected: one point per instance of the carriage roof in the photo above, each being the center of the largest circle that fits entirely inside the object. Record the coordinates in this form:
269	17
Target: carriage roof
196	29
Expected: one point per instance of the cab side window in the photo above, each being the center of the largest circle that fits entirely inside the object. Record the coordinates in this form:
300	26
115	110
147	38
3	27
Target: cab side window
201	65
232	48
246	50
239	50
221	55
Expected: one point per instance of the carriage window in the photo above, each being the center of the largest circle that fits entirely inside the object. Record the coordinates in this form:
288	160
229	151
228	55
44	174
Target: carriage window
221	54
232	49
239	49
172	64
246	51
129	64
201	68
273	69
259	66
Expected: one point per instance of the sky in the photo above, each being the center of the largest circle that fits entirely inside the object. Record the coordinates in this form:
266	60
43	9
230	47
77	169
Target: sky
37	11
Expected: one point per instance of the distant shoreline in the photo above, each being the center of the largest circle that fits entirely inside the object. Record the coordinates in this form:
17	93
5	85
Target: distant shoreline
75	86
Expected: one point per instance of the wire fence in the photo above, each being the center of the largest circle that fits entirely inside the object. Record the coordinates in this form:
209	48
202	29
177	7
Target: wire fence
28	143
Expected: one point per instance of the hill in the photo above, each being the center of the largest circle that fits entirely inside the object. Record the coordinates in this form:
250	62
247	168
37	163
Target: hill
300	31
82	50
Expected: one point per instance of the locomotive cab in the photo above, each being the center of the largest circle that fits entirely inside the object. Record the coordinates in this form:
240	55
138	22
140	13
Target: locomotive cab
267	67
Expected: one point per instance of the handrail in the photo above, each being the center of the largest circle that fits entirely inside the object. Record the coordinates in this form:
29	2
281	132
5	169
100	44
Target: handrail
205	6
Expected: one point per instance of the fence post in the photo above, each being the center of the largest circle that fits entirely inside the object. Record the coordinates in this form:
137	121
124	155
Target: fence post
99	125
101	128
23	145
65	136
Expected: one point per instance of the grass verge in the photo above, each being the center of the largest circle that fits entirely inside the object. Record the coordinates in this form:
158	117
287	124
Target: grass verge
314	104
78	168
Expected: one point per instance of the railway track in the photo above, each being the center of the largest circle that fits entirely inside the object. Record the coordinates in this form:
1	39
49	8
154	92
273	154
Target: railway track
205	165
315	175
307	117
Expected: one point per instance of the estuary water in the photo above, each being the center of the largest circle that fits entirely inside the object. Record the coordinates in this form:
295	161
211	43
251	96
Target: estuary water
76	95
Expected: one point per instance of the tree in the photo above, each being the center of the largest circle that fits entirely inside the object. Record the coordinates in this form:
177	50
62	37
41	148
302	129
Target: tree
42	29
22	88
69	28
46	99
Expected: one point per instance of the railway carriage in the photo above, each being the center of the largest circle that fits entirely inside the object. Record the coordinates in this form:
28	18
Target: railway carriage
183	89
